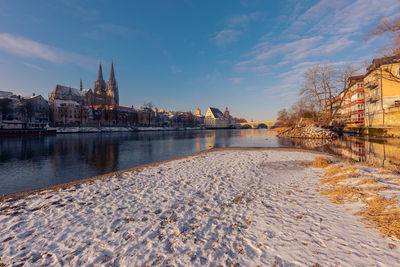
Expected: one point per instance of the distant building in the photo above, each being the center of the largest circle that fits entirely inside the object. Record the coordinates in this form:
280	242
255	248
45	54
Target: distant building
198	112
106	94
69	105
4	94
382	92
72	106
114	115
23	111
68	112
37	109
61	92
239	120
214	118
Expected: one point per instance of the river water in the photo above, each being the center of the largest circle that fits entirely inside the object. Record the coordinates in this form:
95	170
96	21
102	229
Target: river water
28	163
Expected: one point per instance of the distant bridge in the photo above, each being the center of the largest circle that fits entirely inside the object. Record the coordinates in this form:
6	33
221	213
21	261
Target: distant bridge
261	124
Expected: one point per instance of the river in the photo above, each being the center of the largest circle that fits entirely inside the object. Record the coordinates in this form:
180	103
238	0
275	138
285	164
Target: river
28	163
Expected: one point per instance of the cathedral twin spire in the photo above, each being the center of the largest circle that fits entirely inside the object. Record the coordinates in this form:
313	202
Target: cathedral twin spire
109	92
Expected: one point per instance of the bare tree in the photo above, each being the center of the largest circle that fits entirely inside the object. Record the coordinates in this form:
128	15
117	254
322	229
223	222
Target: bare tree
344	75
391	53
391	26
312	88
322	84
283	115
319	89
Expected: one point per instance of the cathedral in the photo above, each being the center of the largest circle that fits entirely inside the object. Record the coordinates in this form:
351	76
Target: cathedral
70	105
106	93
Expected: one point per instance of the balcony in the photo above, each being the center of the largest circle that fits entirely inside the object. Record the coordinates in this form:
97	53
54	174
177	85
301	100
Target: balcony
373	98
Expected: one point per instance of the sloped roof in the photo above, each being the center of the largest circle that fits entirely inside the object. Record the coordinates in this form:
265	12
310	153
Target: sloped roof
354	79
217	113
68	91
377	62
4	94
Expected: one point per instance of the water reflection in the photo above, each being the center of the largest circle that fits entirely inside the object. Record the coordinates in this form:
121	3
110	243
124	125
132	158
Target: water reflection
378	152
32	162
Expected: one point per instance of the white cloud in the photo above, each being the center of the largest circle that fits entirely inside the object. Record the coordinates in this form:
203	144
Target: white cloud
282	90
226	36
27	48
342	16
33	66
233	27
295	51
114	28
175	69
236	80
242	20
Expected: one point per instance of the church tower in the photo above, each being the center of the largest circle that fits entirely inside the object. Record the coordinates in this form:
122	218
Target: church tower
112	88
226	114
100	84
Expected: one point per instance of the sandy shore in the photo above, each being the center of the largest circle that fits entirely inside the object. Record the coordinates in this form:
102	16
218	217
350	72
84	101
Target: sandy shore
241	207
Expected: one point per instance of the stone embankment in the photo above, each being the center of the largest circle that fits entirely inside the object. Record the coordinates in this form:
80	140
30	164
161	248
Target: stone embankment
309	131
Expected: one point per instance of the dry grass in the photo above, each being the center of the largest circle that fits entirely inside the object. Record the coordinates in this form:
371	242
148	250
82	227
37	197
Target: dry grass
384	171
378	212
340	194
382	214
337	179
333	169
366	181
321	162
374	188
338	169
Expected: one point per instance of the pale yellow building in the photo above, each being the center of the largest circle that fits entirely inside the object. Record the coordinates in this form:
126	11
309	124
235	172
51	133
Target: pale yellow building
198	112
214	118
382	93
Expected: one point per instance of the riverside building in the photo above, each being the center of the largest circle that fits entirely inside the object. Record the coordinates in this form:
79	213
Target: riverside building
214	118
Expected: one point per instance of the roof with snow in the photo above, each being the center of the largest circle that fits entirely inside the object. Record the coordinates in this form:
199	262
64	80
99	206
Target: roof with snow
4	94
217	113
67	93
60	102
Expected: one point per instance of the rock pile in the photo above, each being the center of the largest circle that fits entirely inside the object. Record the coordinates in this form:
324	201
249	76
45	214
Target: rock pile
309	131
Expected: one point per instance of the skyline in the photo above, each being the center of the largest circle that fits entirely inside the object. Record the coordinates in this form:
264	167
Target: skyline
247	55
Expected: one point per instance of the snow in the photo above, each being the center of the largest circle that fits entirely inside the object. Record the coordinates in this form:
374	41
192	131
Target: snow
60	102
247	207
4	94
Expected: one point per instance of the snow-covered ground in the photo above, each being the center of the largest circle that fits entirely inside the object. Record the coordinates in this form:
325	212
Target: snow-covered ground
241	207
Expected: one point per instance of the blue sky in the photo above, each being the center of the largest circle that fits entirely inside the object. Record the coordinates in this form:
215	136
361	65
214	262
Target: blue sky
180	55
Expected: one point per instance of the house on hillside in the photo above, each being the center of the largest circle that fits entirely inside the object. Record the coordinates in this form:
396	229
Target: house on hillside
214	118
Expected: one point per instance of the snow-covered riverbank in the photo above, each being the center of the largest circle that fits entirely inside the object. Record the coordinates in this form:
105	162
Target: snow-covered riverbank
247	207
